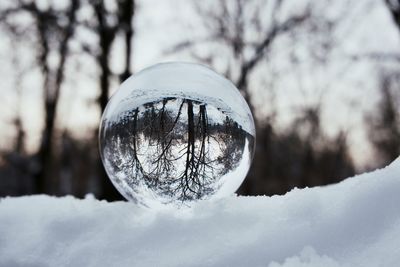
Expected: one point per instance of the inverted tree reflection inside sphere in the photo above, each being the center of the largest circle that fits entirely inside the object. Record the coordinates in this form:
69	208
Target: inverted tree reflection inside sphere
175	133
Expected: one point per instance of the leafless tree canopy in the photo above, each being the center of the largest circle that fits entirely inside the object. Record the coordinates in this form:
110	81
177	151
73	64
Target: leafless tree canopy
236	37
175	147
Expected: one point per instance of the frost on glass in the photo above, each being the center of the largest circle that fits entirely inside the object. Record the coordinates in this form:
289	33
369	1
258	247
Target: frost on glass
176	133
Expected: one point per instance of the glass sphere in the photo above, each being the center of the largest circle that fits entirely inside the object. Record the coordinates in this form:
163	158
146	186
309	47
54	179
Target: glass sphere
175	133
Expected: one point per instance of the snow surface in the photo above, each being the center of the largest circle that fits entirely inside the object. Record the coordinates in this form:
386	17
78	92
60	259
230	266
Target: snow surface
353	223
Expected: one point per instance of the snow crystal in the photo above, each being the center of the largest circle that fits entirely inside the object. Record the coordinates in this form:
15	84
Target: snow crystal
353	223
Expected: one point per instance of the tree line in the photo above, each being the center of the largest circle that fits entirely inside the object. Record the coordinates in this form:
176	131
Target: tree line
247	32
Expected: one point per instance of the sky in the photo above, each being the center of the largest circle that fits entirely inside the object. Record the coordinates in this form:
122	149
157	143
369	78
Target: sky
341	83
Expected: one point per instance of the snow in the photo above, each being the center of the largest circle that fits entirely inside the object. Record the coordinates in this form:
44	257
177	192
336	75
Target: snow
353	223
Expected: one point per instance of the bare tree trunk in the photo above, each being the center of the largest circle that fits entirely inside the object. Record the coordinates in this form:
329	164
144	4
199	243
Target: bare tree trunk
52	86
127	13
107	35
394	8
107	189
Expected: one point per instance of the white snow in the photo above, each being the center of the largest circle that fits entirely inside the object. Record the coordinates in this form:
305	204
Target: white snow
353	223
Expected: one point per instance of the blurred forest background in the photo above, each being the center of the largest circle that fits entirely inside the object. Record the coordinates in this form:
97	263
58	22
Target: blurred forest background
322	78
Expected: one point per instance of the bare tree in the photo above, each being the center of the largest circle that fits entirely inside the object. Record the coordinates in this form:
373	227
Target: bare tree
173	148
55	28
384	122
108	24
240	36
247	29
394	8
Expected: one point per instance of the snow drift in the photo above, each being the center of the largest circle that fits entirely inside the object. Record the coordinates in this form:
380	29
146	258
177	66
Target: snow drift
353	223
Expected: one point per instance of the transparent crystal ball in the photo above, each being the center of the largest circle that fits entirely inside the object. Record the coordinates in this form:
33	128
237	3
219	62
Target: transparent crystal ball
175	133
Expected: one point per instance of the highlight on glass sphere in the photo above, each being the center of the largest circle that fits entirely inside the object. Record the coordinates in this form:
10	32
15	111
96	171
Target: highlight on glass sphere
175	133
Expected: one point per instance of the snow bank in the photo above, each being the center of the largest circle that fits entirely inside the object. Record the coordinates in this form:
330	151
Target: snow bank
353	223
